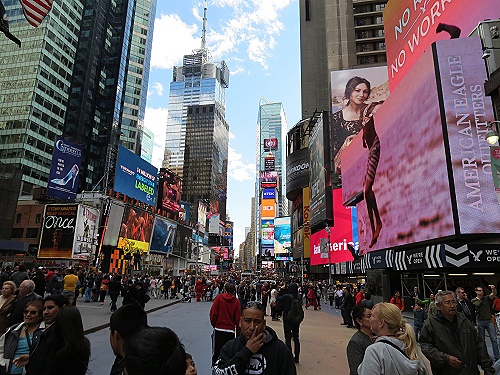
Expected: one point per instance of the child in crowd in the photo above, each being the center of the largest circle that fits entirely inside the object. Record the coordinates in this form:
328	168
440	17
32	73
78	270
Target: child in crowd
419	317
190	366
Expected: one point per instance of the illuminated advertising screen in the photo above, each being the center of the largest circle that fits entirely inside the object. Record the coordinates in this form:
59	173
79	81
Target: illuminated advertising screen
135	177
282	234
495	168
297	170
267	252
58	231
64	170
320	181
86	231
269	163
269	179
306	230
411	26
228	234
343	241
403	167
113	225
267	233
163	236
202	216
213	223
268	208
268	194
468	110
169	191
184	212
270	144
136	230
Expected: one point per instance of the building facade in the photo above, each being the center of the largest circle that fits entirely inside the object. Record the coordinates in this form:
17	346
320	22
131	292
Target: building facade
337	35
82	74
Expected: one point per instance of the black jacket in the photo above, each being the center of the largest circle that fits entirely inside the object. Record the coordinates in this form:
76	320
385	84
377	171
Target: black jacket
274	358
472	309
438	343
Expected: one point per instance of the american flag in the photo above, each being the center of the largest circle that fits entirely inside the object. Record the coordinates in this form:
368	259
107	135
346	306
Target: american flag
36	10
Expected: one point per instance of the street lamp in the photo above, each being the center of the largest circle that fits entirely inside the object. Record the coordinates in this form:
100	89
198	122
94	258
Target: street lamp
491	135
328	231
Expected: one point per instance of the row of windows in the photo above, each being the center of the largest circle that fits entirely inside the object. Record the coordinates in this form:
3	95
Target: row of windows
379	20
52	107
19	217
369	8
30	233
368	47
365	34
372	59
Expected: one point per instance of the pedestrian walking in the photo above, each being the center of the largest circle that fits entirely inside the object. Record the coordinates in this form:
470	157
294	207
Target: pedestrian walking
292	317
398	301
482	304
114	289
346	308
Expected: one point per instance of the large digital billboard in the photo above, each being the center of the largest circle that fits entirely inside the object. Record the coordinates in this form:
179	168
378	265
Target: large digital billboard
135	177
213	223
270	144
410	170
269	179
228	235
113	224
282	235
136	230
351	90
411	26
319	169
64	170
268	194
343	239
268	208
58	231
297	170
202	216
86	231
468	110
163	236
169	191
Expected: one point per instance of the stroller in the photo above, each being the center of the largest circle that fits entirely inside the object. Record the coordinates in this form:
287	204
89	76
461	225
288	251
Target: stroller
185	296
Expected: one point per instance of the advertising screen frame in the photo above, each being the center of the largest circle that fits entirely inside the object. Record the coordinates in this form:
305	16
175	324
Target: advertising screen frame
163	236
135	177
169	191
268	179
297	170
64	170
58	231
86	232
270	144
136	230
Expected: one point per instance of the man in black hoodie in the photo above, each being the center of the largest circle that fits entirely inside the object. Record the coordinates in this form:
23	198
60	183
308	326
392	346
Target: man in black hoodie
257	350
290	329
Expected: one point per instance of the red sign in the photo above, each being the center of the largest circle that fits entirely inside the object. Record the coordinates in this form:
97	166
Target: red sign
341	243
270	144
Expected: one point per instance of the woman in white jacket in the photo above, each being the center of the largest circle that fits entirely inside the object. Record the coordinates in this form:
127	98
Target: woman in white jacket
395	351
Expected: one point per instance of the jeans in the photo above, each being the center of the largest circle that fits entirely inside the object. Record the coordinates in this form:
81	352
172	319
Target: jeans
88	294
292	330
487	325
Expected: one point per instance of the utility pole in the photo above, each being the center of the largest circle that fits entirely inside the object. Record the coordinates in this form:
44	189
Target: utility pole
328	231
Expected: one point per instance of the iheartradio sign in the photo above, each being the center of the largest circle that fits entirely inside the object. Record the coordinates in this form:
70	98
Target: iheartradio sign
270	144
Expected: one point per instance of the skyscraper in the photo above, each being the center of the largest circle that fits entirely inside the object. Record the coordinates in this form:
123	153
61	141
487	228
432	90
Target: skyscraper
83	74
197	135
337	35
271	133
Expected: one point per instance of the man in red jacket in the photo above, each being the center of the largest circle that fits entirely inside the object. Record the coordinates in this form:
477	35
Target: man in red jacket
225	317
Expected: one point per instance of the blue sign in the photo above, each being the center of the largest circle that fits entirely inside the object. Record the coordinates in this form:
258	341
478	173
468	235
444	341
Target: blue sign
64	171
268	194
163	236
135	177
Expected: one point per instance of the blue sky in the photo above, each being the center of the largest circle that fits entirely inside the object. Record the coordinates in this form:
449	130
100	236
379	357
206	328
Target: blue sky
259	40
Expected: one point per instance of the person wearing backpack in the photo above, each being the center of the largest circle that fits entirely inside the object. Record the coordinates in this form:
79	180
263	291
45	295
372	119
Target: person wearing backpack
293	315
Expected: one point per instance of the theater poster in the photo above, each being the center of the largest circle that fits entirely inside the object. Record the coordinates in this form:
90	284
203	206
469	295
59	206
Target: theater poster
58	231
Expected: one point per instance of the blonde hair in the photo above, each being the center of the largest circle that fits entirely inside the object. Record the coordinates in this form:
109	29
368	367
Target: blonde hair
12	284
398	326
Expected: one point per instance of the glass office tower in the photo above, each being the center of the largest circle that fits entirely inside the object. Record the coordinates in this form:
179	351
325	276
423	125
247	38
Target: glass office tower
83	74
197	135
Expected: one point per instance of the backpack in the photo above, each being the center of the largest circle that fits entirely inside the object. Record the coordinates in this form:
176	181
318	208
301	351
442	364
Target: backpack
296	313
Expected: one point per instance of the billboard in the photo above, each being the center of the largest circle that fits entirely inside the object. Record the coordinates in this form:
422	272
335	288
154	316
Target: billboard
468	110
411	26
113	225
415	173
136	230
282	235
135	177
297	170
213	223
58	231
267	238
269	163
320	182
169	191
64	170
86	232
184	212
495	168
267	252
270	144
202	216
351	90
163	237
306	230
343	240
228	235
268	208
269	179
268	194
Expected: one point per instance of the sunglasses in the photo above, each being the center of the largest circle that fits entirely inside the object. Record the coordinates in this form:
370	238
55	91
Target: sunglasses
30	312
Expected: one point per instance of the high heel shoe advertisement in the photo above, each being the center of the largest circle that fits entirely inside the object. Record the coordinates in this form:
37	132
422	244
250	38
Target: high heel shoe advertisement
63	179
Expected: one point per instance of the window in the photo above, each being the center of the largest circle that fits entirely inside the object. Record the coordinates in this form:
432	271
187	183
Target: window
38	218
17	232
31	232
18	218
308	10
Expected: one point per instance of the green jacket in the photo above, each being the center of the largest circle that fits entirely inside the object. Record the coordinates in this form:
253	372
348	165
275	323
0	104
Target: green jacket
438	345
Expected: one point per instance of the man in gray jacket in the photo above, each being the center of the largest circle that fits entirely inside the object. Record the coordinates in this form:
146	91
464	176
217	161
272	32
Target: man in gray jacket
451	342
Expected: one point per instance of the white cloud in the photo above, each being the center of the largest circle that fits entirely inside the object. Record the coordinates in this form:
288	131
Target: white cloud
248	33
231	135
172	40
158	86
238	170
156	120
238	70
